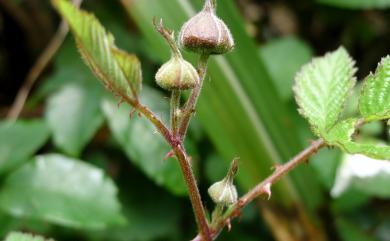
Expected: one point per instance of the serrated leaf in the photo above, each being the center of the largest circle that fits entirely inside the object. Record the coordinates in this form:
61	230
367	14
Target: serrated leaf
74	115
96	46
357	4
63	191
341	136
364	174
321	88
142	144
374	102
17	236
19	140
131	67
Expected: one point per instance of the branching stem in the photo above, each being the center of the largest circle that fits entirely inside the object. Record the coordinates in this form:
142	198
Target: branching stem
185	165
263	187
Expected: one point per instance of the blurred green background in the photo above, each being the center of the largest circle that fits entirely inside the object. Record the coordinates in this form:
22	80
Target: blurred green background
75	167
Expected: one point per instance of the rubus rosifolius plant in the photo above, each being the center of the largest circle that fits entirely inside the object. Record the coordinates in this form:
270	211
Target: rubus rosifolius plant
321	89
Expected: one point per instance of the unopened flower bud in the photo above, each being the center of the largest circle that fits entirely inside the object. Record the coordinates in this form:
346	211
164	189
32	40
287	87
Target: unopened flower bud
177	73
205	33
224	192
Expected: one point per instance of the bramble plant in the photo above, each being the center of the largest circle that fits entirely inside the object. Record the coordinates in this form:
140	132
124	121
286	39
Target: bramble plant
321	89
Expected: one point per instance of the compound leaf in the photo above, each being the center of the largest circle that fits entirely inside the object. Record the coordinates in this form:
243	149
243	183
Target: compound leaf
321	88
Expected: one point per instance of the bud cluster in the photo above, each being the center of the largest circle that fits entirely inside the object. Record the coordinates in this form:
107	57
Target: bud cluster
204	34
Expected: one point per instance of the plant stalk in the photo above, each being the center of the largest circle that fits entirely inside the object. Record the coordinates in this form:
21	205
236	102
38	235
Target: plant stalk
263	187
189	107
175	107
185	165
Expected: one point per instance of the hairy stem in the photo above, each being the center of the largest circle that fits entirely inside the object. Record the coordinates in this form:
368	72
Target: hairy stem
189	108
193	191
263	187
175	105
185	165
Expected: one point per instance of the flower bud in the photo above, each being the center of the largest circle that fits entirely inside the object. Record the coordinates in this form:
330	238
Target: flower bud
224	192
205	33
177	74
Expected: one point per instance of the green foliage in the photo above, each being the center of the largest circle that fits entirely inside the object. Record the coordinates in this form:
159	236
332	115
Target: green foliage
374	103
341	136
99	51
17	236
19	140
283	57
131	67
322	87
357	4
61	190
321	90
142	144
77	107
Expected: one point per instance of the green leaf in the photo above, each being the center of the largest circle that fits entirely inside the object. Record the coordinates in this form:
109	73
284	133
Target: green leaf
63	191
283	57
341	136
17	236
19	141
374	103
357	4
321	89
364	174
131	67
142	144
96	46
74	115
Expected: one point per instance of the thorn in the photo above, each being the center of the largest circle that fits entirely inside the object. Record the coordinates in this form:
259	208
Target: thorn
120	102
307	161
229	224
139	114
190	160
267	190
132	112
168	155
275	166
